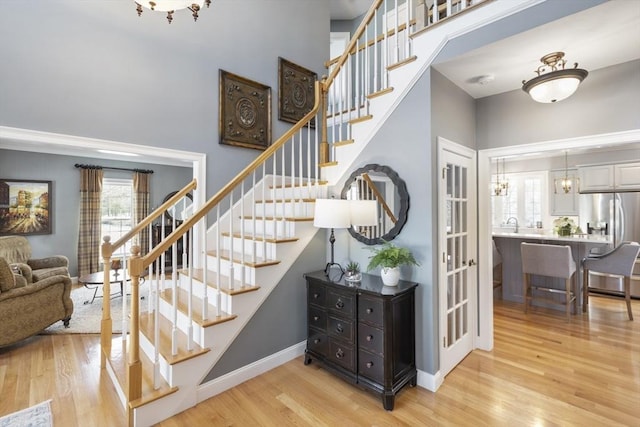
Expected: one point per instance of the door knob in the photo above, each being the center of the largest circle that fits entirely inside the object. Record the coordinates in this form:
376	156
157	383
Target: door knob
471	262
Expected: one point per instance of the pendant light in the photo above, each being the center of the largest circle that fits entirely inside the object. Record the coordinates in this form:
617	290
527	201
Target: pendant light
500	186
565	183
170	6
554	83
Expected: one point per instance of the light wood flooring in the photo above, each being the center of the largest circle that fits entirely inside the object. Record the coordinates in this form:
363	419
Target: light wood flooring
543	371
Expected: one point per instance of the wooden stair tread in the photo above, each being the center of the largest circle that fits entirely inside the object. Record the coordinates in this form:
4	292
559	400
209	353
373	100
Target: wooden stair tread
147	324
299	184
327	164
118	362
237	257
401	63
343	143
380	93
361	119
279	218
238	288
306	200
183	307
267	238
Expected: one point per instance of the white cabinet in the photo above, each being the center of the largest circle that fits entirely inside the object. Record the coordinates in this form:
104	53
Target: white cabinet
627	176
561	203
596	178
620	177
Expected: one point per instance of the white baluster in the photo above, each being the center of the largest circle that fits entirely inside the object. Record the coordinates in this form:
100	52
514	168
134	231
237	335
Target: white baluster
205	272
190	292
218	264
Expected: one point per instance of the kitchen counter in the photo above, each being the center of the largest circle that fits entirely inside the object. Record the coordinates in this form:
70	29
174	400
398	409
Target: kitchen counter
508	245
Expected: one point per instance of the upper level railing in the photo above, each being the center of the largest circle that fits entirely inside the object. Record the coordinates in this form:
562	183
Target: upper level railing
382	42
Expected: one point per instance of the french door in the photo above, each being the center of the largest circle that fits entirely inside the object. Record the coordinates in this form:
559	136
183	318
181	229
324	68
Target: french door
457	273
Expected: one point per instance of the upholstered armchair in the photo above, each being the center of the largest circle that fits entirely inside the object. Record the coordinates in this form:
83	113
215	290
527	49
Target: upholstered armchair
17	251
28	308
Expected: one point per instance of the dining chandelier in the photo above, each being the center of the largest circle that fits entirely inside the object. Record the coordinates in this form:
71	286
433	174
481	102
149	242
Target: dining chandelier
565	183
554	83
170	6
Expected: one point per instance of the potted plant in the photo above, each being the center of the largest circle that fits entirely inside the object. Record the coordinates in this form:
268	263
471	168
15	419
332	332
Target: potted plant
390	257
564	226
353	272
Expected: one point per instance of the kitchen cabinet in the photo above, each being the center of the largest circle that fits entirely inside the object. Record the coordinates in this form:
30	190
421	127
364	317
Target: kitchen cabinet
607	178
363	332
627	176
595	179
562	203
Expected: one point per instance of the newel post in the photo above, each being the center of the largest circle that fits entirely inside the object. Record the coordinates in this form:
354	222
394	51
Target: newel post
134	370
324	145
106	327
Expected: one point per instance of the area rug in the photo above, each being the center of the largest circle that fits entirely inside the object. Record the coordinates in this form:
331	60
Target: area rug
86	318
35	416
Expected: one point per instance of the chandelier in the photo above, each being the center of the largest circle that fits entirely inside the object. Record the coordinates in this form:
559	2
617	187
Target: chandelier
170	6
500	186
554	83
565	183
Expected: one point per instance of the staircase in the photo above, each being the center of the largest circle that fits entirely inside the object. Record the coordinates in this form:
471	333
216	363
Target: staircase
263	219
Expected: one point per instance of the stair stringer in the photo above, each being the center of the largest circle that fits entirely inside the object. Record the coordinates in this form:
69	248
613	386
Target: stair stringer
189	374
426	46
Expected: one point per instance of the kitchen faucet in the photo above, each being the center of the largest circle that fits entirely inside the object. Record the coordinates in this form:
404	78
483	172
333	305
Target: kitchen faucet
515	222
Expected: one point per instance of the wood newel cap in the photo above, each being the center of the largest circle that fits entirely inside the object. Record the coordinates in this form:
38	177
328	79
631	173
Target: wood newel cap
106	247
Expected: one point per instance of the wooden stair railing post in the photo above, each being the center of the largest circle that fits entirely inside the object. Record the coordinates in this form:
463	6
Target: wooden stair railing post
106	326
324	145
134	368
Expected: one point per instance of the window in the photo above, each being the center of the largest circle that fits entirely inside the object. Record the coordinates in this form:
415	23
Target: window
117	209
524	201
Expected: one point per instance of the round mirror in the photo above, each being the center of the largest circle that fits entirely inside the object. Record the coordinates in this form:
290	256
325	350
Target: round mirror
181	208
382	185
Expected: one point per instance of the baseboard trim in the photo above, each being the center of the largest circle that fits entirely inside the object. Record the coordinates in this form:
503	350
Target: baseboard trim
430	381
233	378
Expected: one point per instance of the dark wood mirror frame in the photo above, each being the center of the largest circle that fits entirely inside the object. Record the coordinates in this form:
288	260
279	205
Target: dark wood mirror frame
167	214
399	213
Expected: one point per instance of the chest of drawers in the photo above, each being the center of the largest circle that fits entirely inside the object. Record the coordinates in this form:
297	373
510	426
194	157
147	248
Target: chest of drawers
364	333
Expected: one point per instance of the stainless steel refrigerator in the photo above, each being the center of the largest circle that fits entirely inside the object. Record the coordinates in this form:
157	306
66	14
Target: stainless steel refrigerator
616	215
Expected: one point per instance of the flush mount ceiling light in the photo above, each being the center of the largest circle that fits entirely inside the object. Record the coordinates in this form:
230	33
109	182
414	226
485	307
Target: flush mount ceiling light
554	83
170	6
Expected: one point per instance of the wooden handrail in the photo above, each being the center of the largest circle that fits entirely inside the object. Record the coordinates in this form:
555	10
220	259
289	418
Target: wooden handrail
226	190
380	197
153	215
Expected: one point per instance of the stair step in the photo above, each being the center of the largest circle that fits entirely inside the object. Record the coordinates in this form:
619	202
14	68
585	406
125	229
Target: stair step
237	257
305	200
147	324
360	119
119	362
183	307
380	93
286	218
327	164
267	239
238	288
401	63
300	184
343	143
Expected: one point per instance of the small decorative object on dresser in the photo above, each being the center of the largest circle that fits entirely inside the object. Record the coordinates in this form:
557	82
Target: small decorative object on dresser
363	334
352	273
390	257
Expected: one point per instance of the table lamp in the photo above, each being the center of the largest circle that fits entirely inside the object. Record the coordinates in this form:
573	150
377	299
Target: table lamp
332	213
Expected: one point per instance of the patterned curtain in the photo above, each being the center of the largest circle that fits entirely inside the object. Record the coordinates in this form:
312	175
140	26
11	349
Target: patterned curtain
89	235
141	206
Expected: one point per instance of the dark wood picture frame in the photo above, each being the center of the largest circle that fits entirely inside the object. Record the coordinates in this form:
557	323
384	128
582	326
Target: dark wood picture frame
25	207
296	91
245	112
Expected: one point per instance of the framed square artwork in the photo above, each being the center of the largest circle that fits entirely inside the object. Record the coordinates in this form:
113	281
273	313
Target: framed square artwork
25	207
296	91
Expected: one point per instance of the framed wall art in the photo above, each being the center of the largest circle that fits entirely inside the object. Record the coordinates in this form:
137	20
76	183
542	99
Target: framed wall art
25	207
296	91
245	112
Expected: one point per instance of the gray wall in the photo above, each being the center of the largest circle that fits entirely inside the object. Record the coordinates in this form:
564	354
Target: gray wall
606	101
453	112
66	193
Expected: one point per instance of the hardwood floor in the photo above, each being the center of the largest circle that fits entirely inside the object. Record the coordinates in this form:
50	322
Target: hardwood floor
542	371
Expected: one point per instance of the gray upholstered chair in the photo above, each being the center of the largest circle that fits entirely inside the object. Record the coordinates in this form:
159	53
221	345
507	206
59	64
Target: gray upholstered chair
618	263
551	261
497	267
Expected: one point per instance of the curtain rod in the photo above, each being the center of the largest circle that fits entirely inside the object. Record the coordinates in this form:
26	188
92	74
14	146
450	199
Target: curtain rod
78	165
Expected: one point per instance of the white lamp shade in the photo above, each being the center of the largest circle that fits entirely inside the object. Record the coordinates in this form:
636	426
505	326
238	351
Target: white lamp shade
332	213
167	5
364	212
554	90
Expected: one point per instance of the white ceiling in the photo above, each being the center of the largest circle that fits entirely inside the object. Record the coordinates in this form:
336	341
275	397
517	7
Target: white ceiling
348	9
604	35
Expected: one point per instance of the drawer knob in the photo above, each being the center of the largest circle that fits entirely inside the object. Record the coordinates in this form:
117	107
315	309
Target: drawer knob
369	310
369	337
369	364
315	318
339	304
315	296
339	329
316	341
339	354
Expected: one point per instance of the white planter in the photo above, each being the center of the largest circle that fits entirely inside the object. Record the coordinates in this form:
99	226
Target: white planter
390	276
